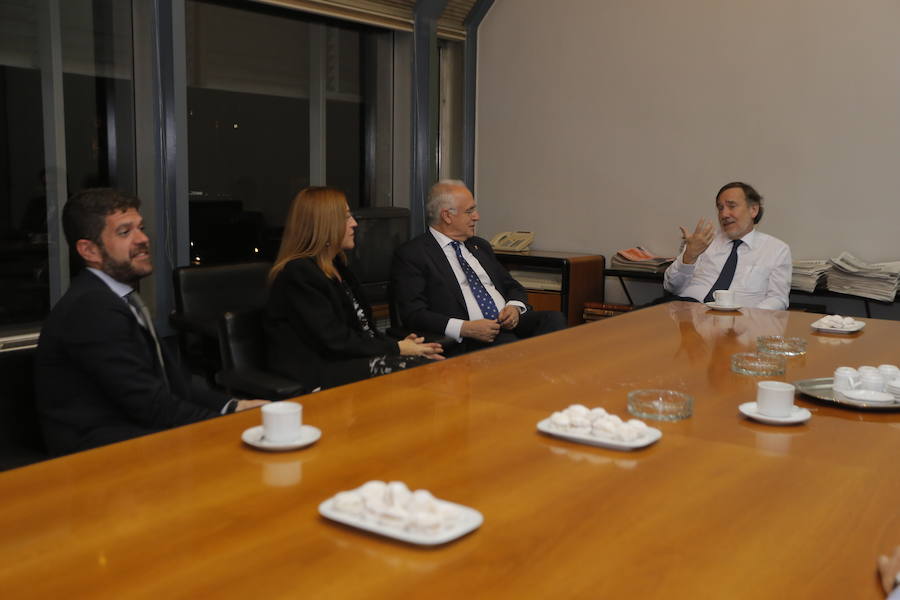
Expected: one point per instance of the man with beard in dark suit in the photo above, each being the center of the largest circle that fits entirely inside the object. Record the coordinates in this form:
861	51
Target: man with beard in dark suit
448	281
101	373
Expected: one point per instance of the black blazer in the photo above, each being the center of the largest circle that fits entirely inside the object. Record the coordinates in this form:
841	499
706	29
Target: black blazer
310	323
426	291
97	377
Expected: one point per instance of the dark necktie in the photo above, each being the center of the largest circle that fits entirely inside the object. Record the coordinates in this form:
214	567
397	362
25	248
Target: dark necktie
134	299
727	274
484	300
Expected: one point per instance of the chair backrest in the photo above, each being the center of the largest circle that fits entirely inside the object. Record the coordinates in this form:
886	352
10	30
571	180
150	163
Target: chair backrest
207	292
380	230
242	341
21	441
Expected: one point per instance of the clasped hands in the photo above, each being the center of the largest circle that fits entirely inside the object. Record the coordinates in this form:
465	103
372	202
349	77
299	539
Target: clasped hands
696	243
414	345
485	330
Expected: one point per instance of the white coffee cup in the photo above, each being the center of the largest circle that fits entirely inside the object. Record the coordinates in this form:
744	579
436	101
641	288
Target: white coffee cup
774	398
845	378
282	421
872	381
867	369
889	372
724	297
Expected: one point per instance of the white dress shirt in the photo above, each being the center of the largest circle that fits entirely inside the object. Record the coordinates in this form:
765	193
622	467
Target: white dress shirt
762	278
454	326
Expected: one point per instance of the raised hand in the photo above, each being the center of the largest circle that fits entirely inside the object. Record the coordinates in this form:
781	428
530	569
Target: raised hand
696	243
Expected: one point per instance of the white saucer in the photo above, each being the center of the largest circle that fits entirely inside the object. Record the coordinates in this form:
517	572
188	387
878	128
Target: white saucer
715	306
868	395
254	437
798	415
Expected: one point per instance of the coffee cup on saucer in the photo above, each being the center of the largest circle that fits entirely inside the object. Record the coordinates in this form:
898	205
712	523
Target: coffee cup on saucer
282	421
774	398
724	297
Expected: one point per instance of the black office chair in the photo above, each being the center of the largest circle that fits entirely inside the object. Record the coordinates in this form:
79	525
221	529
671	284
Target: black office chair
243	373
202	295
21	440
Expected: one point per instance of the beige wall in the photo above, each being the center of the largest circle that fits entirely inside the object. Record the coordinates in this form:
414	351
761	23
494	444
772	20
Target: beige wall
604	124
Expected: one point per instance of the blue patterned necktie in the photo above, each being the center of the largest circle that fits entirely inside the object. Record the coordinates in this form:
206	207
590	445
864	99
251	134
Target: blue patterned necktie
484	300
727	274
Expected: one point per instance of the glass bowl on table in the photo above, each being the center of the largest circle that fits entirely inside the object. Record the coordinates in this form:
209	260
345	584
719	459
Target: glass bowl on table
660	405
753	363
779	344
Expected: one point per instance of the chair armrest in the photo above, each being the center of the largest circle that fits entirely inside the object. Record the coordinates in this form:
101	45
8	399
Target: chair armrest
260	384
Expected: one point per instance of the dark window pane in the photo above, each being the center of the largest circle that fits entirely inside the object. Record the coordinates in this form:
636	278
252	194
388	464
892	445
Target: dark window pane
98	93
23	205
250	70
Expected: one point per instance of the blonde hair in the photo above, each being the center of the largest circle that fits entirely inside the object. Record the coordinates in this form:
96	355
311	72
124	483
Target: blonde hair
315	227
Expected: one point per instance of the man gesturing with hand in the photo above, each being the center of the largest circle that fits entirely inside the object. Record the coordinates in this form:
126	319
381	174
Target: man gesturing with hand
755	265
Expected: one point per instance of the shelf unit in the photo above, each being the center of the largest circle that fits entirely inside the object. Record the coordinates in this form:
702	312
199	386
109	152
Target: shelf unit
582	279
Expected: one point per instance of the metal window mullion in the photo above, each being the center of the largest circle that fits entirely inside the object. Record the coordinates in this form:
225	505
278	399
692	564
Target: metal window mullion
424	104
50	55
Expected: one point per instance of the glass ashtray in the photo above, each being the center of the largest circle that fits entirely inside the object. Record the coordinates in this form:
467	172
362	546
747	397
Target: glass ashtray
778	344
660	405
749	363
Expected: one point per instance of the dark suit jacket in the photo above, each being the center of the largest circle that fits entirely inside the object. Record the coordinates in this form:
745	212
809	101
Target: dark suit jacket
97	377
426	291
311	326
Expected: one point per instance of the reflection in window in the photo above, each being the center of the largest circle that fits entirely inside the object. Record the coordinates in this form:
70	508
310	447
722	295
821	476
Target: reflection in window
252	94
95	45
23	207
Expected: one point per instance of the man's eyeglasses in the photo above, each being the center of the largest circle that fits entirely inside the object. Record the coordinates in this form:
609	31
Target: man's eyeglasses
468	211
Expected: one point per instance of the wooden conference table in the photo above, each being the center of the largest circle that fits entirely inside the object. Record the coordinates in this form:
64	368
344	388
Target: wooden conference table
720	507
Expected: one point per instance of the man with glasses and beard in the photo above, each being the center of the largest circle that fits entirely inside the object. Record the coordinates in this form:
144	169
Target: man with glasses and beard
102	374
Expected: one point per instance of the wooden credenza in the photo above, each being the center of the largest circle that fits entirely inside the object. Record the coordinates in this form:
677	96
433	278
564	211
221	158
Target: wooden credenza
580	279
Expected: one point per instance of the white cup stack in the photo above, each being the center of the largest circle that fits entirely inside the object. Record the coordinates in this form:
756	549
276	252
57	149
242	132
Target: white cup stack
883	378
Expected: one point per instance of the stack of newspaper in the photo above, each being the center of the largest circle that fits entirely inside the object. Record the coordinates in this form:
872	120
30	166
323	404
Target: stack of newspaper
639	259
808	273
852	275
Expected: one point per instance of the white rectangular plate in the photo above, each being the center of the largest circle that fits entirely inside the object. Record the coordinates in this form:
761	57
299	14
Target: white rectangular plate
858	326
469	520
653	435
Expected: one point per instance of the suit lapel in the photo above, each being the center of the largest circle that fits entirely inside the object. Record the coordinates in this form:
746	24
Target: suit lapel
436	255
89	280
